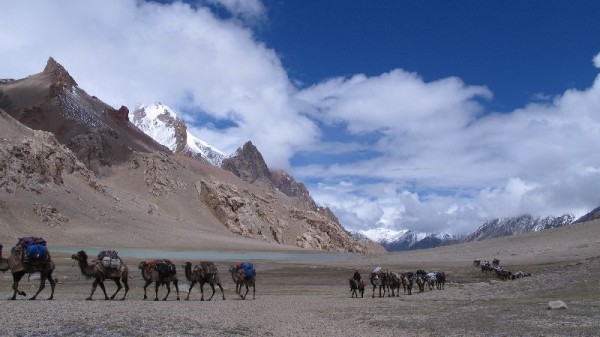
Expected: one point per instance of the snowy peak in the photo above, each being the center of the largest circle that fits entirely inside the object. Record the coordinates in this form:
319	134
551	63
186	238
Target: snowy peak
393	240
517	225
160	122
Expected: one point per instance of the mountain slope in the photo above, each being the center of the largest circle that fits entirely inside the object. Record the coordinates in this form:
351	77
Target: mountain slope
142	195
52	101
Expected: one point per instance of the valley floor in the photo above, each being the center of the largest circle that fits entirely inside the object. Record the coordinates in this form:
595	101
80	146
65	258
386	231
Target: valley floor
313	299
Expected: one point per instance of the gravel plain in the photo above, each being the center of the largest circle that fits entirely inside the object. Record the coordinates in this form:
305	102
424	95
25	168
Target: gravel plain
312	297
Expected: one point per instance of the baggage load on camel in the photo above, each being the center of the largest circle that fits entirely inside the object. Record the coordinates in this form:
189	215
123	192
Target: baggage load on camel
208	267
31	240
248	268
32	249
377	270
164	267
110	259
36	252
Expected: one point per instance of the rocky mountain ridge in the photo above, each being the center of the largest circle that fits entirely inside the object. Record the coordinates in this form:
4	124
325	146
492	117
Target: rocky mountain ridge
499	227
105	182
409	240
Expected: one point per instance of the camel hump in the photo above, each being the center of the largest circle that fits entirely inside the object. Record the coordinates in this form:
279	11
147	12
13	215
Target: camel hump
208	267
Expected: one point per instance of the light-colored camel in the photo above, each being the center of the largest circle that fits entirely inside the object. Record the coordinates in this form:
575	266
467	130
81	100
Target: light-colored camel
151	273
100	273
19	269
240	279
198	275
377	280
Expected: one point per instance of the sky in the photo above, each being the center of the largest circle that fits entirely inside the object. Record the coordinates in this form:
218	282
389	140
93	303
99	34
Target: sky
433	116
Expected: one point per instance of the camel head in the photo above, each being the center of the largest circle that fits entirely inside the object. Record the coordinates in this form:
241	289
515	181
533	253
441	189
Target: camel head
80	256
187	265
143	265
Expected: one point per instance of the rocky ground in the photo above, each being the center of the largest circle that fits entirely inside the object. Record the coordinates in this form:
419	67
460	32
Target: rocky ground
313	299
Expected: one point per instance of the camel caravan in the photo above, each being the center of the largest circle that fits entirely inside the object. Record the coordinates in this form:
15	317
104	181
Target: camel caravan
30	255
501	272
389	282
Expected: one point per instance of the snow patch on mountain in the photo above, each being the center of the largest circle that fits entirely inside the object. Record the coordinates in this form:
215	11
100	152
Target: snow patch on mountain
160	122
398	240
157	122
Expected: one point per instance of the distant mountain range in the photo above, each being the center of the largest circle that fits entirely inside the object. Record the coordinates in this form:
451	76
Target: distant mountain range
403	240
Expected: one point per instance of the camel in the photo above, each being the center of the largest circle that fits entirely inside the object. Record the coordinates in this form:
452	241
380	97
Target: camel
152	272
357	285
240	279
407	282
441	280
100	273
198	275
393	282
19	269
377	280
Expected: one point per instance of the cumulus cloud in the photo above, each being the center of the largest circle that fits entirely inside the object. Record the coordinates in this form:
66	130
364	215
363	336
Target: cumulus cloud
414	154
130	52
451	165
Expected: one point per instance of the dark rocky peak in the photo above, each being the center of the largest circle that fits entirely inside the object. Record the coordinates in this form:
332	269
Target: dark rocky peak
58	74
122	114
287	185
248	164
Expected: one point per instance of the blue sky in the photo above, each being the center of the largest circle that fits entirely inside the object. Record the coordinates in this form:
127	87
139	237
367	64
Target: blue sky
424	115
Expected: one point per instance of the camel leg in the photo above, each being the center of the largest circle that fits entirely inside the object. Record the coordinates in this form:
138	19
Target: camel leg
212	286
104	290
189	291
168	291
94	285
146	286
202	291
126	283
222	293
156	285
253	290
52	285
244	297
42	285
119	286
176	283
16	278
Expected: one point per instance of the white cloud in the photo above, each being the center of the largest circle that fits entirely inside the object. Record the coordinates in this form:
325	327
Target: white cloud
453	167
415	154
130	52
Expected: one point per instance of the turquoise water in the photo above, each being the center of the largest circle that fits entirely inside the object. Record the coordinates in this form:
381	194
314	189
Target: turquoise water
210	255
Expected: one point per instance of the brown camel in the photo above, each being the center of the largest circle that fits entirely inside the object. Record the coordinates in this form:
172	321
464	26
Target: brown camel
100	273
161	272
203	275
18	268
240	279
357	287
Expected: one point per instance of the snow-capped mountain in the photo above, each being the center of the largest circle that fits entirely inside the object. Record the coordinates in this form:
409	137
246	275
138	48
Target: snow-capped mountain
393	240
517	225
161	123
